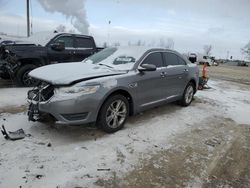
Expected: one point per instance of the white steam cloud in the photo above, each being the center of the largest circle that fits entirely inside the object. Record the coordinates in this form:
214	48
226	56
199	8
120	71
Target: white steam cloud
72	9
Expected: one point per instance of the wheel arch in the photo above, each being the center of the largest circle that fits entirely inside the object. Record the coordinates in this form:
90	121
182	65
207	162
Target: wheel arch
123	92
33	61
195	84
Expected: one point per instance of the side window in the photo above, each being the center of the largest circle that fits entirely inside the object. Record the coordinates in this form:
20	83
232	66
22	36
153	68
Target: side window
84	42
171	59
68	40
181	61
154	58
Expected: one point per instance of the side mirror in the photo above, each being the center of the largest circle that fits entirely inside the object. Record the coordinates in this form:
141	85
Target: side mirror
58	46
147	67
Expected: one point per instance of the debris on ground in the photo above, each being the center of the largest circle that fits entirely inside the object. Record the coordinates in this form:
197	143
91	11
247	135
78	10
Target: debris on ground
212	142
49	144
39	176
16	135
103	169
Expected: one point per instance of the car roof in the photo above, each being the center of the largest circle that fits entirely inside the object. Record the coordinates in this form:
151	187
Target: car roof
144	49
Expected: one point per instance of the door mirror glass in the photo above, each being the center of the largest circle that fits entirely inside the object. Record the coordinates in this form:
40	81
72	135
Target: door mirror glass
147	67
58	46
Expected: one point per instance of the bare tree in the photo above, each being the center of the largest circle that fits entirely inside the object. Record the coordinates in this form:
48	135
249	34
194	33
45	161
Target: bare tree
246	50
117	44
207	49
72	31
61	28
170	44
105	45
139	43
162	42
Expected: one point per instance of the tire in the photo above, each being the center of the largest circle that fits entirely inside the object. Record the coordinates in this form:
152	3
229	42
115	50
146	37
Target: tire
22	76
109	118
188	95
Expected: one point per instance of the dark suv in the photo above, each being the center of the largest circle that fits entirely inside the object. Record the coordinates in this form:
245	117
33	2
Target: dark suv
17	60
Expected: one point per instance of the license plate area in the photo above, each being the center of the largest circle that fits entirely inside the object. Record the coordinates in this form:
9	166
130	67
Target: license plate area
33	112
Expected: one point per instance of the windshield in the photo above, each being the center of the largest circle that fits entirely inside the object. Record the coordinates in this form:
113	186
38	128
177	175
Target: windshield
122	58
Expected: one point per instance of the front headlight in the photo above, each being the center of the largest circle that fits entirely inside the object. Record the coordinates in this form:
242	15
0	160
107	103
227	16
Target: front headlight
78	89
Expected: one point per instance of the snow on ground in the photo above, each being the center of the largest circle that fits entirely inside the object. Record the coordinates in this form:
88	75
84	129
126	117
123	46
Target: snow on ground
233	99
76	153
11	97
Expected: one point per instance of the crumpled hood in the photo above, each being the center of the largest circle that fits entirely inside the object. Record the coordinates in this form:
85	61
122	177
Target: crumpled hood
68	73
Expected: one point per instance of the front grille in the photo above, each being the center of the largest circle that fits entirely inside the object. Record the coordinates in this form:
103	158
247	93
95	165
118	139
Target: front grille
47	93
41	93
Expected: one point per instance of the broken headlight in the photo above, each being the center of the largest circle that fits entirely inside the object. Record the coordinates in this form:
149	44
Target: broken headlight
78	89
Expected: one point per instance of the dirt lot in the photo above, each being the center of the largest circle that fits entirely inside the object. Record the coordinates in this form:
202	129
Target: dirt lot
230	73
204	145
215	156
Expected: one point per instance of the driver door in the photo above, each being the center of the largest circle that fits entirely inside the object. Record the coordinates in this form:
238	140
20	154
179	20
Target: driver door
151	84
64	55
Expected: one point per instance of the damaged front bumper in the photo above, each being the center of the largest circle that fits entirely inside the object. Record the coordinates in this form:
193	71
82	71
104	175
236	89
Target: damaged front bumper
8	63
2	65
44	102
37	96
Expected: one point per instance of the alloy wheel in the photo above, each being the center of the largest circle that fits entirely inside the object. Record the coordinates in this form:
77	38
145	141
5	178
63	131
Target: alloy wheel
116	114
189	94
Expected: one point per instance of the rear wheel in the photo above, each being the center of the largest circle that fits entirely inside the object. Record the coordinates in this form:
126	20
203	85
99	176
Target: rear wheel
113	114
188	95
23	78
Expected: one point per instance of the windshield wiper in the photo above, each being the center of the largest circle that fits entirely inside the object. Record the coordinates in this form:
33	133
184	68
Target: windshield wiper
105	65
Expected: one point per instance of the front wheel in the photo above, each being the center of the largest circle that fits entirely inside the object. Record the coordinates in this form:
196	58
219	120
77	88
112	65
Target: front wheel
188	95
113	114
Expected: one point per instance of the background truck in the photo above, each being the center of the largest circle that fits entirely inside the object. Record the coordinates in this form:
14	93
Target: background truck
201	59
19	58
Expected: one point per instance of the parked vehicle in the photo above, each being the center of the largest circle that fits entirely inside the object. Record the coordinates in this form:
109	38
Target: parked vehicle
204	59
6	42
110	85
44	48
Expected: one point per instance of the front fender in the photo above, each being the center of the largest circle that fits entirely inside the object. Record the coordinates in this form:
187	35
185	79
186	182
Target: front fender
112	91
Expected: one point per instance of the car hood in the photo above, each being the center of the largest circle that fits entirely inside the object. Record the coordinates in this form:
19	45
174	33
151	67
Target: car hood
70	73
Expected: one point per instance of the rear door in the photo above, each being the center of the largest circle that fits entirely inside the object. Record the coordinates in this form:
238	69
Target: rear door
85	46
176	73
65	55
151	84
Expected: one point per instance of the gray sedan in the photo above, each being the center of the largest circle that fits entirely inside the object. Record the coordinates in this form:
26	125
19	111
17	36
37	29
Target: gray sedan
111	85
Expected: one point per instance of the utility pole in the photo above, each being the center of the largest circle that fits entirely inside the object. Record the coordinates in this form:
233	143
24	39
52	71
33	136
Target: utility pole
28	17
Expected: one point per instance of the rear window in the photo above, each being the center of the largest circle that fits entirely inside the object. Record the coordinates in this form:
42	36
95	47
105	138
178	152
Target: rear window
171	58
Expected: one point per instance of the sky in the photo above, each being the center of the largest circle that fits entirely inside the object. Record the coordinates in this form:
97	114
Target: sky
191	24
